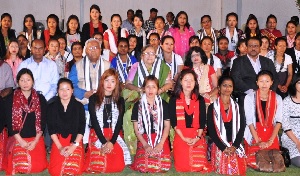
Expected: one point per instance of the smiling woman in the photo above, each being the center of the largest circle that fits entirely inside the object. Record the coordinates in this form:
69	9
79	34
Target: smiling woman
107	151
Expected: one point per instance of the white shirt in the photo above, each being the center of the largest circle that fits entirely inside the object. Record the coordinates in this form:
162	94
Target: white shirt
287	61
217	63
45	75
255	64
297	54
250	113
178	60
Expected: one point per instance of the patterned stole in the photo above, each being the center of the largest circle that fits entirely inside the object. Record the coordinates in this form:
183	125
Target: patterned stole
123	71
87	73
144	118
219	124
143	72
192	109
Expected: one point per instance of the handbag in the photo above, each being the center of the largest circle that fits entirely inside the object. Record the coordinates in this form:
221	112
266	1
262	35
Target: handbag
270	161
11	141
286	156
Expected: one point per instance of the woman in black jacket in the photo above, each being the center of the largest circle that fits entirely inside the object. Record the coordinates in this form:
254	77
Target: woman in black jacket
66	125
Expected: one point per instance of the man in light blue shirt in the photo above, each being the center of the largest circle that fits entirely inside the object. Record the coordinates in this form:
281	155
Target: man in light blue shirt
128	23
44	70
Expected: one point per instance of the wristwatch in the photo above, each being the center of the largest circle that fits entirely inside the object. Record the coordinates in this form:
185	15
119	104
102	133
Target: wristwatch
76	143
199	137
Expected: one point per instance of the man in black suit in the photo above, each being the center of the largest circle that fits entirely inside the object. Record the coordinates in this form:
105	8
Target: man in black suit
295	54
245	69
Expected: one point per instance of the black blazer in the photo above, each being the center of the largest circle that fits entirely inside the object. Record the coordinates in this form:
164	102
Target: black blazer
244	75
291	52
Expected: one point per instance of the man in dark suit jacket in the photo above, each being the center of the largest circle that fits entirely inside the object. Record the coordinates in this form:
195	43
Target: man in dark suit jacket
292	52
245	69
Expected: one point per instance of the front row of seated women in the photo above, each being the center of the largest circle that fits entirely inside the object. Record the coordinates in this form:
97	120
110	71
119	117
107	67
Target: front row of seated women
27	113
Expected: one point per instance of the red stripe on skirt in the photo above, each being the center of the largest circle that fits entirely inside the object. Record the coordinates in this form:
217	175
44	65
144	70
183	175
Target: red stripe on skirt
3	141
152	164
60	165
190	158
264	136
227	165
25	161
96	162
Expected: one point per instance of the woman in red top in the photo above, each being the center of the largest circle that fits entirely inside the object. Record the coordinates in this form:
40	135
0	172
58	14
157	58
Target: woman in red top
53	30
270	31
111	36
188	118
206	75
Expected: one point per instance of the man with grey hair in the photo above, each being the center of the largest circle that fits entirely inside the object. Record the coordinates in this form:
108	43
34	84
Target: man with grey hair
85	75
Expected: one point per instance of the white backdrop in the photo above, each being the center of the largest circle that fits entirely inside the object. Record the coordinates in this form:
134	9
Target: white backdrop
218	9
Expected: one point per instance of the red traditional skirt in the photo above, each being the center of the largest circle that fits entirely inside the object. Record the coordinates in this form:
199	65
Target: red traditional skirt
3	140
24	161
190	158
154	163
227	165
264	134
96	162
71	165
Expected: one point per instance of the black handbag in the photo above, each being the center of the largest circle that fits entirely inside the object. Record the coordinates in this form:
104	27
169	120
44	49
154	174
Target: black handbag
286	156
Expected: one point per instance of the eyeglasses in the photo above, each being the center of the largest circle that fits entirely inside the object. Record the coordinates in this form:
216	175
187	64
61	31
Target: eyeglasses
148	54
195	55
93	48
253	46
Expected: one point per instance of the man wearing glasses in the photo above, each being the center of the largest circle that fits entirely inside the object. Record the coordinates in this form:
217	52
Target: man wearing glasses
85	75
245	69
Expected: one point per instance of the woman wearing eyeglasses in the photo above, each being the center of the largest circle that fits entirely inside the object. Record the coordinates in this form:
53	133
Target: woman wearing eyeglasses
207	78
149	65
207	30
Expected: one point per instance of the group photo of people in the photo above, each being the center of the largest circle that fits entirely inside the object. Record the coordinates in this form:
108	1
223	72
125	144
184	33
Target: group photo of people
149	95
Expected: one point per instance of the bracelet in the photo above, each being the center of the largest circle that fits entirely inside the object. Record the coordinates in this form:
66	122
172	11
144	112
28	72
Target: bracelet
199	137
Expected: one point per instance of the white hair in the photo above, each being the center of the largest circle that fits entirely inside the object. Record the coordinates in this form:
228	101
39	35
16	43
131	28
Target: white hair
92	39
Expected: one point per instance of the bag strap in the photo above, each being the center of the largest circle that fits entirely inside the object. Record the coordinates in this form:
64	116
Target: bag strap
24	118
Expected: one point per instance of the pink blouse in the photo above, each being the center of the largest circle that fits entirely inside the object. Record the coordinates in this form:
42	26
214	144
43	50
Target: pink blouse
181	45
14	66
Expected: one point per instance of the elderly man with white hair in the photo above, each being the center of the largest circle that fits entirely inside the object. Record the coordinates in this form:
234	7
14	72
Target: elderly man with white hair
85	75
